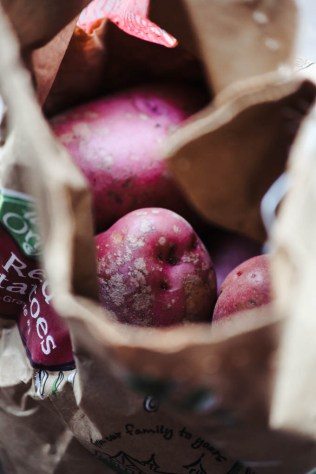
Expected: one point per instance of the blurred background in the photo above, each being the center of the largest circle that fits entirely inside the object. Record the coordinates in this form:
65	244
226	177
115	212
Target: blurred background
306	45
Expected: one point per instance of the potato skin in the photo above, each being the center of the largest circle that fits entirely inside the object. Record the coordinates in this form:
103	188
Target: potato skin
154	270
248	286
117	143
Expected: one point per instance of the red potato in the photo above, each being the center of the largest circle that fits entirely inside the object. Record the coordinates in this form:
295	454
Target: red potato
229	249
116	142
248	286
153	270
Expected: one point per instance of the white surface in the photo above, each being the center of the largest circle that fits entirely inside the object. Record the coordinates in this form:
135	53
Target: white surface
306	44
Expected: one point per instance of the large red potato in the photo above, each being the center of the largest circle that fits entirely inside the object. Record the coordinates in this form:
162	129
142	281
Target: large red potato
117	144
153	270
248	286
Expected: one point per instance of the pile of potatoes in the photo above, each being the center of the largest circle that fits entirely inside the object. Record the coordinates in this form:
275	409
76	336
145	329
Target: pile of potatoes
153	268
158	263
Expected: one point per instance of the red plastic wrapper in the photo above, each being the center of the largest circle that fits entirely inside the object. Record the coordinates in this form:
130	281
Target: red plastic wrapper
19	246
44	333
129	15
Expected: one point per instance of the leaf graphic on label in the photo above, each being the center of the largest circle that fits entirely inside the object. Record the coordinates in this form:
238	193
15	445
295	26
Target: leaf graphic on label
40	381
57	382
71	377
19	218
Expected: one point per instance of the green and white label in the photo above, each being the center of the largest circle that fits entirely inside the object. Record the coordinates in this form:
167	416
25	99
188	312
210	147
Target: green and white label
19	218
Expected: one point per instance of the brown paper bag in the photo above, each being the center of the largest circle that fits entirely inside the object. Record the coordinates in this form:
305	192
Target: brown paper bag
37	22
107	60
297	349
175	401
28	427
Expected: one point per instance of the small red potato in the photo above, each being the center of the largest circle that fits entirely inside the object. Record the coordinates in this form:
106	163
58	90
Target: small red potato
248	286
